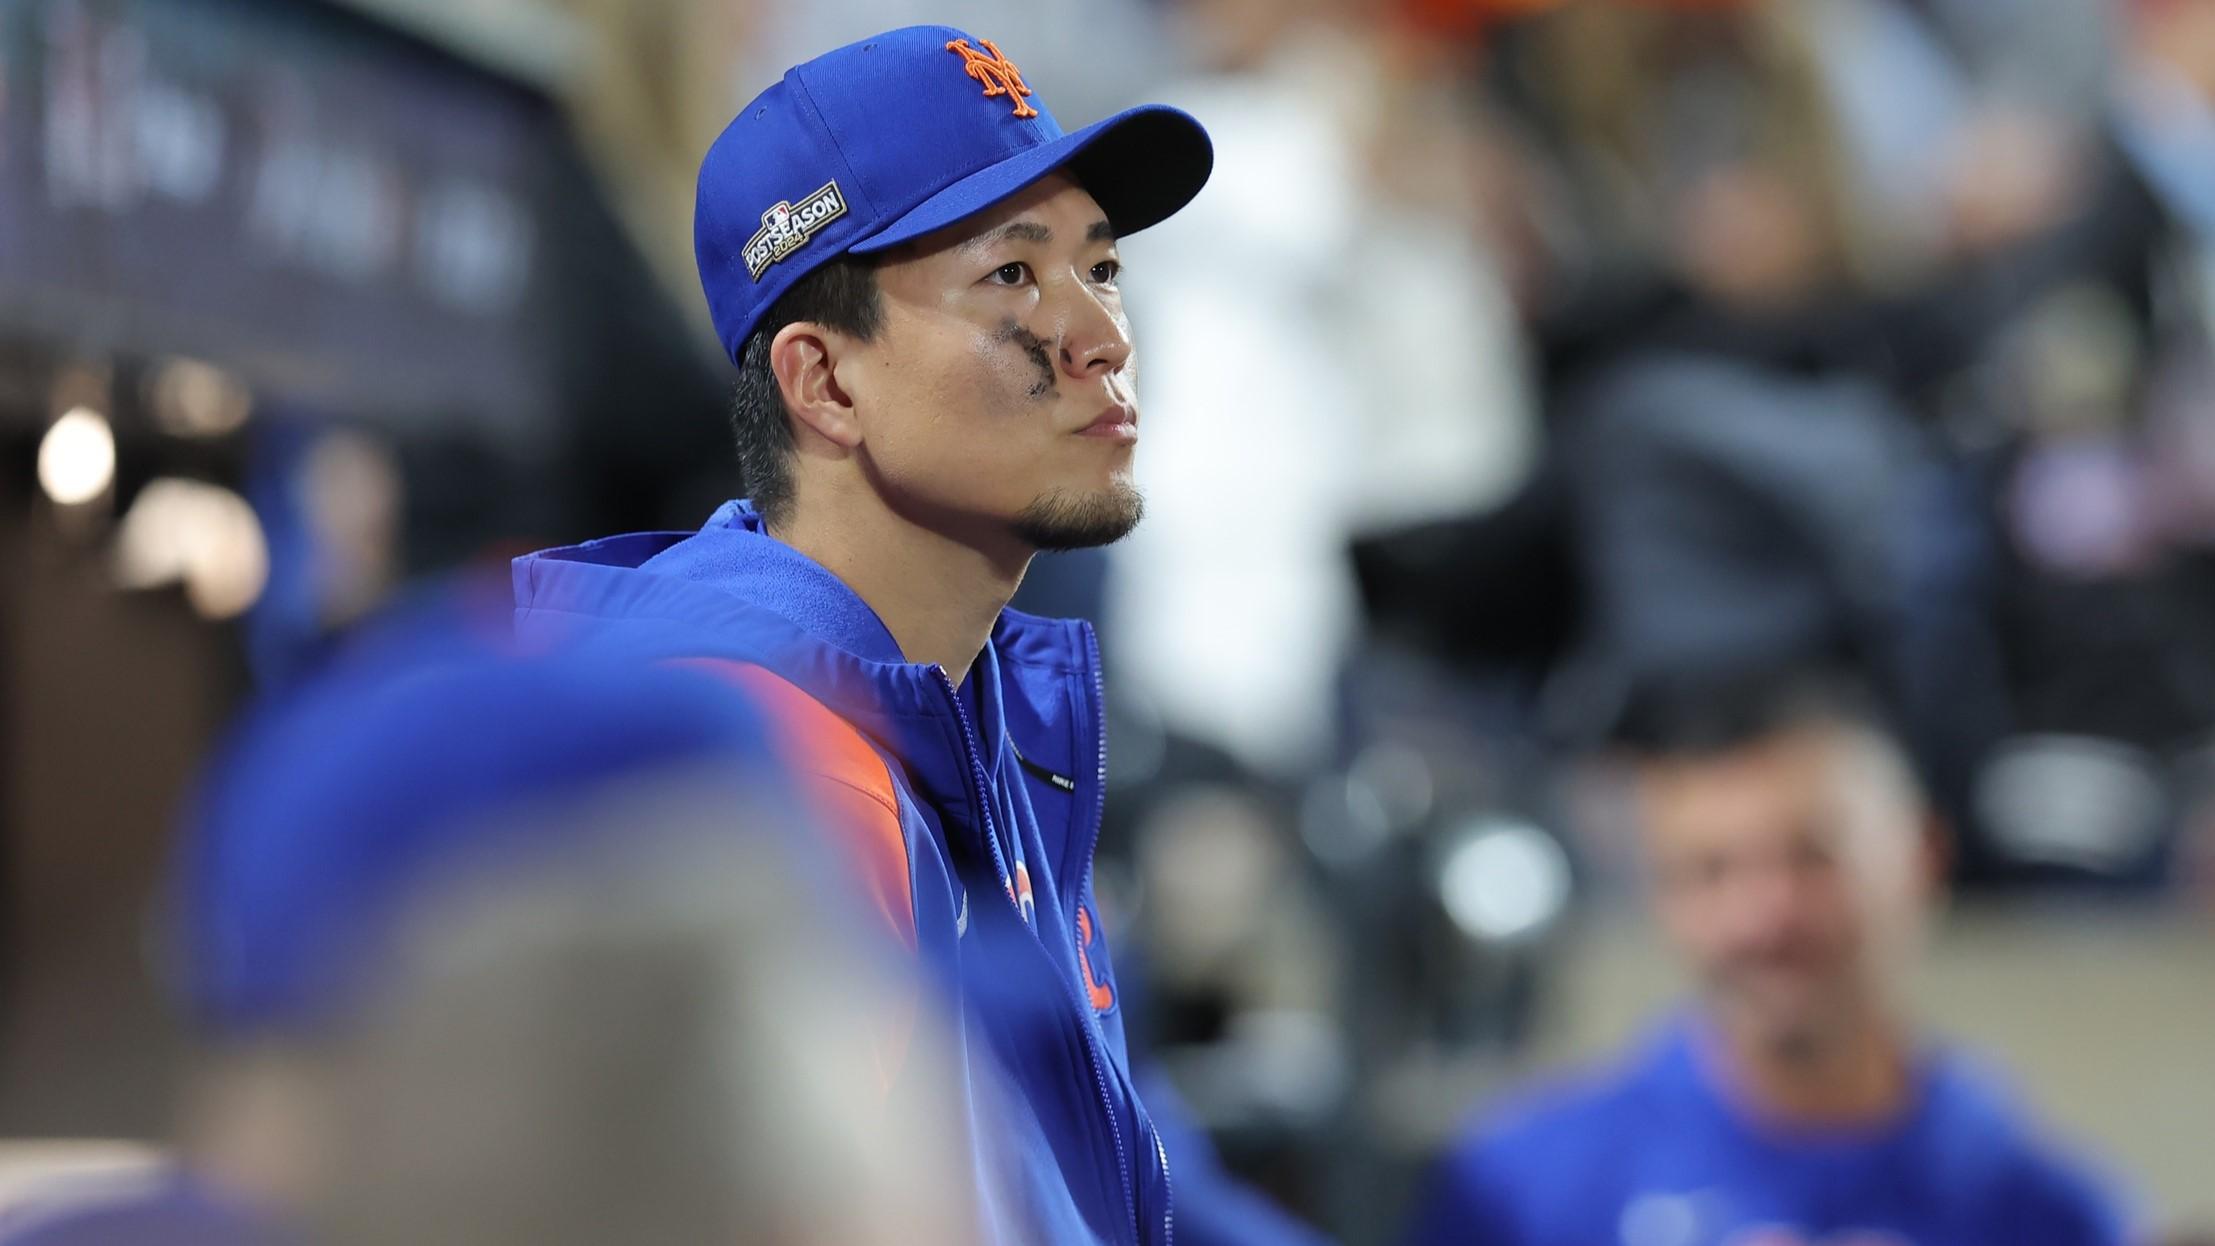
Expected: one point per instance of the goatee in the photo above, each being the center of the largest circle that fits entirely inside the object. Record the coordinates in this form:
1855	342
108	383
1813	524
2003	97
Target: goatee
1061	521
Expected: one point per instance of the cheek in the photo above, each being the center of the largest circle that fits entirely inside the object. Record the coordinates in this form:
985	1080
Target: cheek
1692	921
1868	885
1016	363
950	420
1833	916
1877	914
1840	922
929	385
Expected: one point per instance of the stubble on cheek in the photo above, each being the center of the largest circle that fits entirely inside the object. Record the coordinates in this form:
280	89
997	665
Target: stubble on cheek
1032	347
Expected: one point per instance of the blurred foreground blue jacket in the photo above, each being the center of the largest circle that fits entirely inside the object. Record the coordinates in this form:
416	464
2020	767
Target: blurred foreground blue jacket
1655	1152
331	805
335	804
173	1210
985	803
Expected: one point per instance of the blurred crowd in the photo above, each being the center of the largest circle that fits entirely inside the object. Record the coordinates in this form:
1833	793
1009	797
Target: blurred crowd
1529	371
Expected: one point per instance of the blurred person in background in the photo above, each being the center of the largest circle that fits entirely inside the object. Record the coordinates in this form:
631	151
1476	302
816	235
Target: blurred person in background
494	949
916	272
2100	393
1786	244
1335	352
1786	184
1792	866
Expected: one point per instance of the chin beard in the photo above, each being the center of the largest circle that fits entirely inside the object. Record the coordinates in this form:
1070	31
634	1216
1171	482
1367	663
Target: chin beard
1801	1045
1801	1033
1061	521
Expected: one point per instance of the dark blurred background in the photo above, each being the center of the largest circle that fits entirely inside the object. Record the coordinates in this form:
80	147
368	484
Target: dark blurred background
1522	359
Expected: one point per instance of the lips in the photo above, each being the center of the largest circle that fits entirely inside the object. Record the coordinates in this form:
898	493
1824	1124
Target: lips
1117	423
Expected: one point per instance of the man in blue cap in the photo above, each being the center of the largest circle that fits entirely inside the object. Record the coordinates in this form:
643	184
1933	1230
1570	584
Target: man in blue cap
916	272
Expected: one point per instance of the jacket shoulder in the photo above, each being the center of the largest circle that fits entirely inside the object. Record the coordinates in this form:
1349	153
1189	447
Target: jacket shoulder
850	785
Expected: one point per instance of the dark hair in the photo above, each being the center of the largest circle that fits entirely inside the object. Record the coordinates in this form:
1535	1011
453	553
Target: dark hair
1698	716
840	295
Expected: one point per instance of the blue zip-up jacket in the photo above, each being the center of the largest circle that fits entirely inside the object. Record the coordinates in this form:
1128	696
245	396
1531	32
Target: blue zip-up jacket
994	795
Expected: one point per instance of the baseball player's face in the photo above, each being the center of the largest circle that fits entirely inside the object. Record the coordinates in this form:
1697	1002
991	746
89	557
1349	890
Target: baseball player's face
997	402
1789	876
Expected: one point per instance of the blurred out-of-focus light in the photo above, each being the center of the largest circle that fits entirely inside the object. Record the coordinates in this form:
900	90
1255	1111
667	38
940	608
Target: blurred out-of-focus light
352	491
199	534
1343	820
1399	780
76	461
2072	801
195	399
1503	881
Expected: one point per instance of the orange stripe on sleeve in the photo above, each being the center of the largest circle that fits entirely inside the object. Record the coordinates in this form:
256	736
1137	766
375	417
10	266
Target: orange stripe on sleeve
849	789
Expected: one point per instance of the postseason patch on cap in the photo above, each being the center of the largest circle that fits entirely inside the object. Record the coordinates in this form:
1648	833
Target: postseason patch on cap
786	227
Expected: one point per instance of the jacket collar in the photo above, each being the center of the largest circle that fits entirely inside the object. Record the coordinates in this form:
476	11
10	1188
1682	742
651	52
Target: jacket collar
733	591
734	552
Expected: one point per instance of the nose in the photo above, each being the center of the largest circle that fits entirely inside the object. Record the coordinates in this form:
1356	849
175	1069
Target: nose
1771	900
1095	339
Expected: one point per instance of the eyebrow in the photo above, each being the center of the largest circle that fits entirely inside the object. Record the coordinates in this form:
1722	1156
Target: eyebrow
1017	231
1033	232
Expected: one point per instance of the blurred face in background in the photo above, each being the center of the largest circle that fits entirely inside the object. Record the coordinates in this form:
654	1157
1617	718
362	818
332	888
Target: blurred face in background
1792	875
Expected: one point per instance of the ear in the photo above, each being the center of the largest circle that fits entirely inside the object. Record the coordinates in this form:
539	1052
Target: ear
804	357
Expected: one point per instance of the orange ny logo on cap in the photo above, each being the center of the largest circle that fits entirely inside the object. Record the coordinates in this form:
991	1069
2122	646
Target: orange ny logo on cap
998	74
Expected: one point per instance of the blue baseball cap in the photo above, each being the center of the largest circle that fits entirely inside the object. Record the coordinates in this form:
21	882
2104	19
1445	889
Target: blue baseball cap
888	139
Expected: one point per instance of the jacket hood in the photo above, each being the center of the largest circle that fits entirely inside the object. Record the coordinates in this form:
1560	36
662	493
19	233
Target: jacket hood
732	591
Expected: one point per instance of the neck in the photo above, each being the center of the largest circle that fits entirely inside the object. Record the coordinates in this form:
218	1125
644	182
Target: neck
1855	1074
938	595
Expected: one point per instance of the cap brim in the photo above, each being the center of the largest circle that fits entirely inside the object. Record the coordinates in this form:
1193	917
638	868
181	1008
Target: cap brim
1141	165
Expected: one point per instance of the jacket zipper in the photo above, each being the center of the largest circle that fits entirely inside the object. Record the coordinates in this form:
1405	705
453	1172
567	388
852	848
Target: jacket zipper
979	794
1098	809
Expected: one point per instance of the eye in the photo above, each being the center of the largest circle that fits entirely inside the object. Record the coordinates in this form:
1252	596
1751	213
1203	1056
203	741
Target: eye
1107	271
1014	273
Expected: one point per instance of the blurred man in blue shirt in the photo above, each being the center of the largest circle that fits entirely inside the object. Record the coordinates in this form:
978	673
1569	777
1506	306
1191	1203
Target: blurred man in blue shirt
1792	868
